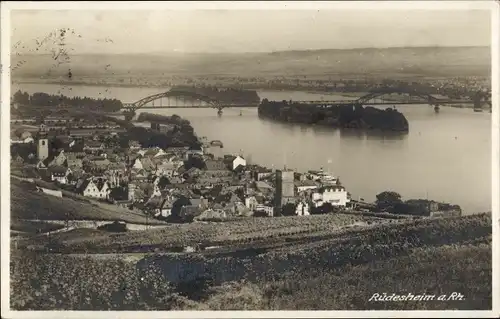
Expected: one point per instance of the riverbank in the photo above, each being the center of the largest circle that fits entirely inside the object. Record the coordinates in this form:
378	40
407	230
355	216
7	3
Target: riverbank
66	82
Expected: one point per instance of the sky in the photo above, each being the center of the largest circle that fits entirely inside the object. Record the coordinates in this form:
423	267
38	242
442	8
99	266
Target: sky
167	31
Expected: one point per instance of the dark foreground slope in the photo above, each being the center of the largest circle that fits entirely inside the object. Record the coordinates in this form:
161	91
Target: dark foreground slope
438	256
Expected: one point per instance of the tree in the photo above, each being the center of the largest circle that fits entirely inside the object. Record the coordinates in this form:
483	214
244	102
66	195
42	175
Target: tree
178	204
288	209
163	182
195	161
55	145
387	200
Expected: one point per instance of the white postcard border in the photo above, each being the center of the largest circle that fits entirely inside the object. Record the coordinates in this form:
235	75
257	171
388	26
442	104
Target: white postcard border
250	5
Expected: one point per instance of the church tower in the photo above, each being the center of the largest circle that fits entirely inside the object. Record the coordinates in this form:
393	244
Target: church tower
42	150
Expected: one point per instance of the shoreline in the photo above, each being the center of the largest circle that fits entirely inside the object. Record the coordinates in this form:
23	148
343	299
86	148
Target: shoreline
138	85
351	95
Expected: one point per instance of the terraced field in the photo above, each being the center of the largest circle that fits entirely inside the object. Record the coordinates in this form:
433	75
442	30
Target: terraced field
435	256
253	231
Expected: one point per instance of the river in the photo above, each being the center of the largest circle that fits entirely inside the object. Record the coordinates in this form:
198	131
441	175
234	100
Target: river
445	156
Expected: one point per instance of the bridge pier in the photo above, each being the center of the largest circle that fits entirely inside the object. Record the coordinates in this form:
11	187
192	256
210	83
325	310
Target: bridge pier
219	110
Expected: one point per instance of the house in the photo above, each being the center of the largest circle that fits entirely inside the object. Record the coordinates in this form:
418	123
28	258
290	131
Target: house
263	187
93	188
192	172
238	161
143	163
161	206
188	213
179	151
251	202
166	206
93	146
335	195
26	140
58	160
74	162
81	133
134	145
41	164
154	152
137	164
305	185
215	165
321	176
166	169
259	173
192	152
266	210
100	163
59	174
302	209
147	164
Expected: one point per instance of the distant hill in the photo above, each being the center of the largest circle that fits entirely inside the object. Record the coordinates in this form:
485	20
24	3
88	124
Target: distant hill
424	61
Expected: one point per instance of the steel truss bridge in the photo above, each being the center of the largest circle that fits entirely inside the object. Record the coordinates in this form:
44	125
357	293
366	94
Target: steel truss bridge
189	99
379	97
182	99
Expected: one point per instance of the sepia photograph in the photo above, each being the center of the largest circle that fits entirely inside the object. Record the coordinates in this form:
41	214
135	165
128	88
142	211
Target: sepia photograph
192	157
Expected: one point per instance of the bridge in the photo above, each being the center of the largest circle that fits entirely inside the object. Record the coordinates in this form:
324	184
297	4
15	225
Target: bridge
180	98
398	96
184	98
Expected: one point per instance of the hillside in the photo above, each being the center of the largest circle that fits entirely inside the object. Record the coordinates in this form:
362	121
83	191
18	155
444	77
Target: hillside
28	204
433	256
374	62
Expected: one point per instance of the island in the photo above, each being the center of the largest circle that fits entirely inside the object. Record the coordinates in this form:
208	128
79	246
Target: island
230	96
353	116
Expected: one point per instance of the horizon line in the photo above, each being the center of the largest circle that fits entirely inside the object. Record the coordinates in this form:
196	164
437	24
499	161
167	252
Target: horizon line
274	52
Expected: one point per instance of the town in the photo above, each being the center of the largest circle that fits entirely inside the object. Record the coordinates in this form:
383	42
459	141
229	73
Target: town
97	160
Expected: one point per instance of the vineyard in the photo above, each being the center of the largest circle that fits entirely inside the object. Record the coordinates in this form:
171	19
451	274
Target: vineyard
269	261
241	231
341	272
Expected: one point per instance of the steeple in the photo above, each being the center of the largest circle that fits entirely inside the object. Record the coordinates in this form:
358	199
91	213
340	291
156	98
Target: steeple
42	143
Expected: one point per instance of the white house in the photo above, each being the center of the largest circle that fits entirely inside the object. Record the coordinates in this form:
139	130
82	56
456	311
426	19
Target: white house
302	209
95	189
269	210
163	207
321	176
305	185
60	174
251	202
26	140
336	195
167	169
137	164
239	161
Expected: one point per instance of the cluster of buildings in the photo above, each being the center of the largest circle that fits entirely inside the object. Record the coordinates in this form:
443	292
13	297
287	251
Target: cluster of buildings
181	182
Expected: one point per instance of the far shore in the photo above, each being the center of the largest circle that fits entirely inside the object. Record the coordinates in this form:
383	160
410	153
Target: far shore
152	85
350	95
